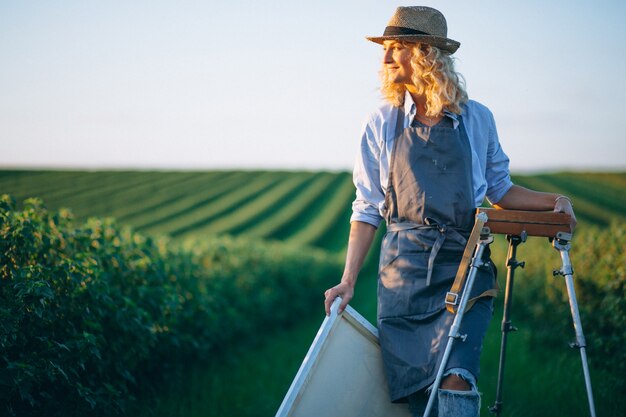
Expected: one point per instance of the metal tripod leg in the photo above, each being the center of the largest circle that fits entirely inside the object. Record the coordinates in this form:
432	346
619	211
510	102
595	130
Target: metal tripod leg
454	333
562	244
511	265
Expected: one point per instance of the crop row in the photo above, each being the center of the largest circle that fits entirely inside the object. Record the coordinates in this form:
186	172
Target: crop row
311	208
301	207
589	198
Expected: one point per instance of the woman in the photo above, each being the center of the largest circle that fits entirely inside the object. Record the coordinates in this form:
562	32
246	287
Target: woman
428	158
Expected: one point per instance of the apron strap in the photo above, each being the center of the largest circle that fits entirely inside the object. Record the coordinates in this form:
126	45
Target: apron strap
444	232
488	293
433	254
398	131
399	122
452	297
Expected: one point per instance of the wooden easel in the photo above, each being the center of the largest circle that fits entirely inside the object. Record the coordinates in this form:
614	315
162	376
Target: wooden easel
517	226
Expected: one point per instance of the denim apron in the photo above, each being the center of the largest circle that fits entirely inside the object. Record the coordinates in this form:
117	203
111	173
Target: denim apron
429	209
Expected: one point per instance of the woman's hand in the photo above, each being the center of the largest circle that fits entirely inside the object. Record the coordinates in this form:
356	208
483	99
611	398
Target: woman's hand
563	204
520	198
361	236
343	290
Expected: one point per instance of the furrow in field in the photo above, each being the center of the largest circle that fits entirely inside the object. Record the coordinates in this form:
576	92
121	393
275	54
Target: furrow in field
311	212
193	197
67	190
255	209
84	182
329	219
125	200
99	190
205	212
133	198
49	183
176	199
11	174
335	237
270	207
584	210
590	189
293	210
94	199
617	179
10	181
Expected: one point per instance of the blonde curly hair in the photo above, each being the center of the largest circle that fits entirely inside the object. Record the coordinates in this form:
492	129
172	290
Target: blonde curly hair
433	76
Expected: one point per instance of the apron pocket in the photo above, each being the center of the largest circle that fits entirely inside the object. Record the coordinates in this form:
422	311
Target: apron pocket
405	242
402	289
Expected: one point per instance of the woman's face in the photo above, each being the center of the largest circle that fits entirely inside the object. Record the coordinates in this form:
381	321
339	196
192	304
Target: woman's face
397	62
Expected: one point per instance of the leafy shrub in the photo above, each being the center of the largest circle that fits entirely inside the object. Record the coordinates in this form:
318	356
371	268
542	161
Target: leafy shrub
599	262
541	300
92	315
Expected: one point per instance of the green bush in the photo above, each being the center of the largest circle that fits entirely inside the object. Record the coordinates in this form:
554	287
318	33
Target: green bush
599	262
541	300
91	316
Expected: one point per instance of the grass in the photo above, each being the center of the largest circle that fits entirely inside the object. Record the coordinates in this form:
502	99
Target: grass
542	380
252	380
248	381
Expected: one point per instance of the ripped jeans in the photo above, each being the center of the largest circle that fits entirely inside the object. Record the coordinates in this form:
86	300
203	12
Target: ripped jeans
449	403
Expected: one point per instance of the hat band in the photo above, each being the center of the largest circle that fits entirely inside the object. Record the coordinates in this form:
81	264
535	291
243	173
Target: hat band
399	30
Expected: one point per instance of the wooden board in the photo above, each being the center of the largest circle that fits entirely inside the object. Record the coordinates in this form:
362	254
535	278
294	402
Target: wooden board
342	374
534	223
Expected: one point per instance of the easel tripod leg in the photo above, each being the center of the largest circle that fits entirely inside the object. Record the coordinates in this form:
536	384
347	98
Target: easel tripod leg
563	246
454	333
511	264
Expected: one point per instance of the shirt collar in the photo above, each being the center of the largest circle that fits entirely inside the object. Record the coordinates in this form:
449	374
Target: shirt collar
410	109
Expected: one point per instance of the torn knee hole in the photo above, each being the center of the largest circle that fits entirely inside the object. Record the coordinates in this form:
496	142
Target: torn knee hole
456	383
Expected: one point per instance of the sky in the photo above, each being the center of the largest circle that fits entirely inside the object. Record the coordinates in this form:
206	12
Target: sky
288	84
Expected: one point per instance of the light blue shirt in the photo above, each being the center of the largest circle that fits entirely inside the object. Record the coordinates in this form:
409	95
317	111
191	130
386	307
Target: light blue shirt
490	165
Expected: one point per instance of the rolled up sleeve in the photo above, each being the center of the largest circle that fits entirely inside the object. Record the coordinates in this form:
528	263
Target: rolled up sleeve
366	177
497	166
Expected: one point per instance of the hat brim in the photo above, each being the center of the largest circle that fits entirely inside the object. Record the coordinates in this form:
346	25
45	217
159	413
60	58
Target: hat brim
445	44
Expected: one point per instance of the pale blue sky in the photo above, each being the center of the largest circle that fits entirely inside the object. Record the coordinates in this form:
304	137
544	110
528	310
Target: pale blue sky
288	83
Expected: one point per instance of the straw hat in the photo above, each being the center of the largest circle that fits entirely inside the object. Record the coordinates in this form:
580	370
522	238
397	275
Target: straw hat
418	24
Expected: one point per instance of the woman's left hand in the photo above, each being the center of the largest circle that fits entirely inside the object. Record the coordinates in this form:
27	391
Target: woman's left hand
564	205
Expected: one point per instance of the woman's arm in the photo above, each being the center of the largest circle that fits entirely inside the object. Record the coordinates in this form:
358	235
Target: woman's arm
520	198
361	237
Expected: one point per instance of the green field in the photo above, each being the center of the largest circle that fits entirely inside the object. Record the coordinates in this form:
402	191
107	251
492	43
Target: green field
313	209
304	208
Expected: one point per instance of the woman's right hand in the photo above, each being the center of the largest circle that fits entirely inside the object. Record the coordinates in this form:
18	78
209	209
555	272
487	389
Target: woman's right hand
361	236
343	290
